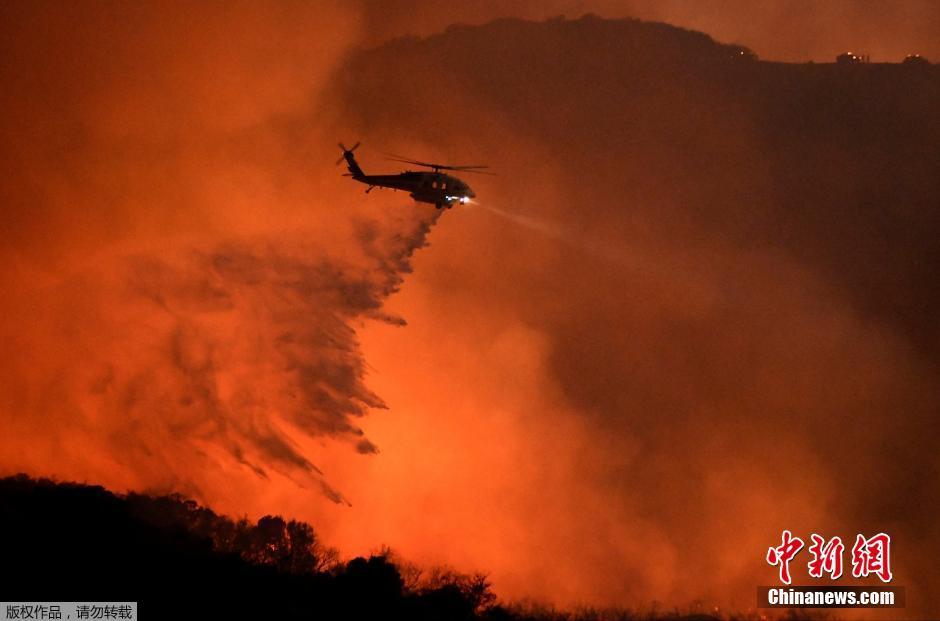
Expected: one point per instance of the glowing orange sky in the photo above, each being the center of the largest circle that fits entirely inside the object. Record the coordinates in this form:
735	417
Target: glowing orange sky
143	143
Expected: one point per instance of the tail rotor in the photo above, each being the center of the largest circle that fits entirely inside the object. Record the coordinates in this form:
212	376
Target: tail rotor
346	152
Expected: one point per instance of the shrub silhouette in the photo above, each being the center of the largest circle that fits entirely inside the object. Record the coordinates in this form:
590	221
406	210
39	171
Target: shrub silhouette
71	542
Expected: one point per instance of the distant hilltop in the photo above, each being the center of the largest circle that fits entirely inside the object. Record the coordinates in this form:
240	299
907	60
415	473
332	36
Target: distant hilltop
639	37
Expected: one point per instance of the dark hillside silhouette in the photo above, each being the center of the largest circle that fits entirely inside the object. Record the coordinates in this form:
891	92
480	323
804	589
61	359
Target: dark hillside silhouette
73	542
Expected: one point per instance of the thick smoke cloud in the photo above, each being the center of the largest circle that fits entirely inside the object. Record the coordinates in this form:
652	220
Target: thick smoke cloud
705	318
705	315
161	360
181	292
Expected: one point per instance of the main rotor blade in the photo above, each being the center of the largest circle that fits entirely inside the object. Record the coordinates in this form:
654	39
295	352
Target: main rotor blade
396	158
467	168
478	172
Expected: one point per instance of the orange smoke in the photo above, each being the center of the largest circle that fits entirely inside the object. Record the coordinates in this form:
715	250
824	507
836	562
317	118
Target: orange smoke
169	280
710	332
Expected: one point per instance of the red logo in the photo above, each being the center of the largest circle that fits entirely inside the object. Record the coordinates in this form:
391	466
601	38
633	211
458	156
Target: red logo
827	557
783	554
872	556
869	556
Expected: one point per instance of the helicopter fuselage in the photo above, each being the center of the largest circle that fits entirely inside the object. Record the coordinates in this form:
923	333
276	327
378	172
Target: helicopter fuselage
426	187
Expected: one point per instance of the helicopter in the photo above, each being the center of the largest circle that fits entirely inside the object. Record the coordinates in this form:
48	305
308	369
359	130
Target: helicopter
439	189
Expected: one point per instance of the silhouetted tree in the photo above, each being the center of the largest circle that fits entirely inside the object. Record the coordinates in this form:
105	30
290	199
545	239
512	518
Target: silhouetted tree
78	542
